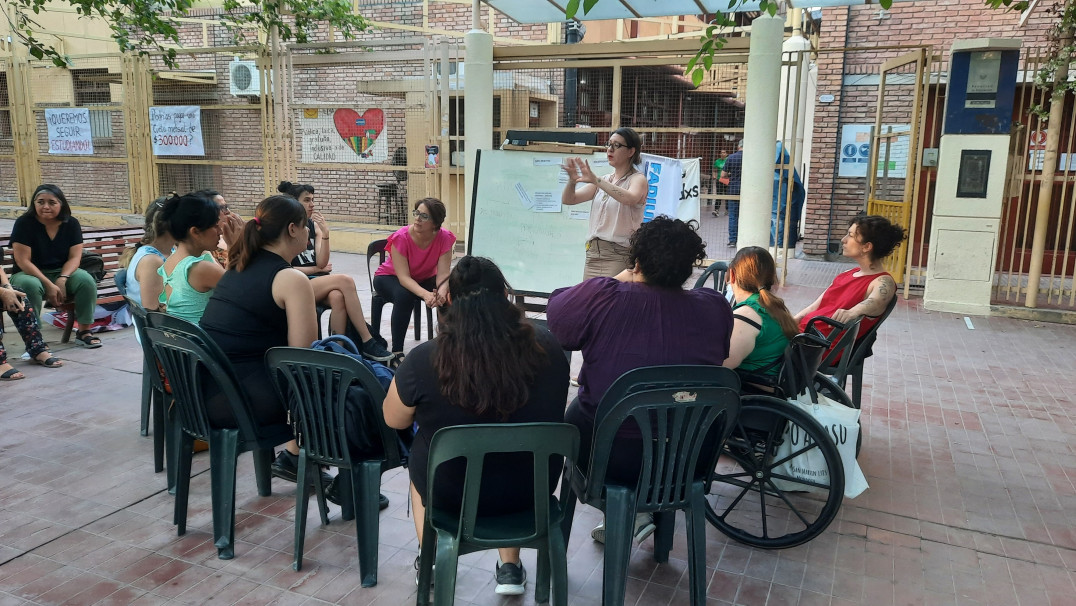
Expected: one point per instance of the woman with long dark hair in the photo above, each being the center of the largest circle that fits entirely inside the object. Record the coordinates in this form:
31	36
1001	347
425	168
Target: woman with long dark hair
47	244
619	198
488	364
763	325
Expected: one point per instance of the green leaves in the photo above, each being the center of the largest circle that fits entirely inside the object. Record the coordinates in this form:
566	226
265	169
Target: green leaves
145	26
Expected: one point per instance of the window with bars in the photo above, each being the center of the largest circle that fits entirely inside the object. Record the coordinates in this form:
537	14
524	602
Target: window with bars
91	87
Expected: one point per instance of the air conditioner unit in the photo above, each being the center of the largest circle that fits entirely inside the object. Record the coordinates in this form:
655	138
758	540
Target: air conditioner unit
244	78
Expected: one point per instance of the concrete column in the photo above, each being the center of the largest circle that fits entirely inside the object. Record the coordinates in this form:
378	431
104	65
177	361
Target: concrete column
760	130
477	107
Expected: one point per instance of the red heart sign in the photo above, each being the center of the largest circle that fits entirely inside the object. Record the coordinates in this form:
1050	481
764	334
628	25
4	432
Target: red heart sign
359	131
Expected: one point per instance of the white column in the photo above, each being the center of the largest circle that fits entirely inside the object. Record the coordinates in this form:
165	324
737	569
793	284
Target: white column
477	107
760	130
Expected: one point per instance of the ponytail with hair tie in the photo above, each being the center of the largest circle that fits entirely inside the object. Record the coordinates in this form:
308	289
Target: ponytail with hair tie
257	221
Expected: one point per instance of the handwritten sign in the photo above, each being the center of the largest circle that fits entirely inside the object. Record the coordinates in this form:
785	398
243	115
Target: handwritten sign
344	135
176	130
69	131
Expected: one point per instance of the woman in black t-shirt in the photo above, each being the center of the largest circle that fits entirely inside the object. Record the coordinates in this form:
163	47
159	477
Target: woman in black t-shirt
47	244
488	364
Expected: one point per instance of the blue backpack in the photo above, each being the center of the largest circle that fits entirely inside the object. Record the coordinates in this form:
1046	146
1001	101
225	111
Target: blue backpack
361	416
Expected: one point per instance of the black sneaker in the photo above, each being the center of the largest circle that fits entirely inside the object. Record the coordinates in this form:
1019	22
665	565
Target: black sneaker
286	467
332	494
511	579
373	350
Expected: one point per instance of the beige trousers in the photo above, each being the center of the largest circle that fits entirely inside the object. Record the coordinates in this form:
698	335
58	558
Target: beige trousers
604	258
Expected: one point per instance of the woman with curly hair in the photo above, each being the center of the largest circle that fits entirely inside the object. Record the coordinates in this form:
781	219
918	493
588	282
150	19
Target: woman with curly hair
488	364
641	317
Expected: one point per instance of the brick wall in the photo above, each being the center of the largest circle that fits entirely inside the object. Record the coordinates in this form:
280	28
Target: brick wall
832	200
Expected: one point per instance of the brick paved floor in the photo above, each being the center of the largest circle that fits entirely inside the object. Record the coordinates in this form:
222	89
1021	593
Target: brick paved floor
968	446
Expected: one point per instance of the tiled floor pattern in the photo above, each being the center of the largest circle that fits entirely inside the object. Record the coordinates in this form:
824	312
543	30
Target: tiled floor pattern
968	447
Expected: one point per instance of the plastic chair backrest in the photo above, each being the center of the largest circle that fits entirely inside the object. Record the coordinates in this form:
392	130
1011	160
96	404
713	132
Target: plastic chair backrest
718	271
473	443
121	280
864	343
191	339
377	247
686	411
315	384
841	338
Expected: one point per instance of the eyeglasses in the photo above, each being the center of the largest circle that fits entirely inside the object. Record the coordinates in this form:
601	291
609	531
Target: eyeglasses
614	146
420	215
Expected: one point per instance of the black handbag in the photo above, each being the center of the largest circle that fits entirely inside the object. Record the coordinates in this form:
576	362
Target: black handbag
93	264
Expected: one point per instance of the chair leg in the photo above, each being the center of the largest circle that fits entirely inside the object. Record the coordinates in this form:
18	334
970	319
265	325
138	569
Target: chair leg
184	447
425	564
366	477
172	446
558	566
619	524
223	452
429	324
567	500
263	470
377	305
541	579
147	398
696	546
70	326
418	320
444	588
156	398
301	502
663	536
857	385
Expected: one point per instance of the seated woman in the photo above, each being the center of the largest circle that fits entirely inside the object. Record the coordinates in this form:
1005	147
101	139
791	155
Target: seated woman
763	324
47	245
190	273
22	314
864	291
488	364
420	256
337	291
144	284
641	317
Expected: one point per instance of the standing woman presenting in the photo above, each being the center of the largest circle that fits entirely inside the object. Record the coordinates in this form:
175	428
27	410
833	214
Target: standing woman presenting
47	244
619	198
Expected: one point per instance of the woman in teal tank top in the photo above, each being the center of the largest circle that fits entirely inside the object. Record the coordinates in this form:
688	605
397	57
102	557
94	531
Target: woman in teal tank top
762	323
190	273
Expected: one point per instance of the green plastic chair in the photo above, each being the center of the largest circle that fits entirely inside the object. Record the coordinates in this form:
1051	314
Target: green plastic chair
315	384
190	359
716	272
453	534
688	412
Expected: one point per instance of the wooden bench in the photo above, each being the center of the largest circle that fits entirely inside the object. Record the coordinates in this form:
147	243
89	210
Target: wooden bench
108	242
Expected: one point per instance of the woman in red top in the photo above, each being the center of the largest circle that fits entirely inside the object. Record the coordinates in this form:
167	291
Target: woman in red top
862	292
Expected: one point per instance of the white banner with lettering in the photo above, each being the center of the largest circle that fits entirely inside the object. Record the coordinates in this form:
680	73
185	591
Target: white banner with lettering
176	130
69	131
672	187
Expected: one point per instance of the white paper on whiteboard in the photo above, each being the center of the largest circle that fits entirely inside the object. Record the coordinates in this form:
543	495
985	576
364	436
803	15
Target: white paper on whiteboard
562	178
524	199
599	162
579	214
547	161
546	201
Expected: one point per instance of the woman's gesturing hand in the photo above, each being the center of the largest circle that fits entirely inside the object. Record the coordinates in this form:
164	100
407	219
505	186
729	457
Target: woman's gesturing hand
11	300
231	225
320	223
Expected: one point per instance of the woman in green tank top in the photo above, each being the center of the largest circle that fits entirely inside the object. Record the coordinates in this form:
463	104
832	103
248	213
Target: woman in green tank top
762	323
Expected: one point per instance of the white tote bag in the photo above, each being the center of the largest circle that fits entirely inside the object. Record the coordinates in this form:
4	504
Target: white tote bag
841	425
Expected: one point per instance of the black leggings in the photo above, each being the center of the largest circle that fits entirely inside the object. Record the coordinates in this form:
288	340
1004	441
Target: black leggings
403	304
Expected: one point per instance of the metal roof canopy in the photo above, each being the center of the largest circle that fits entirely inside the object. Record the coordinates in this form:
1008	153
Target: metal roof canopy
552	11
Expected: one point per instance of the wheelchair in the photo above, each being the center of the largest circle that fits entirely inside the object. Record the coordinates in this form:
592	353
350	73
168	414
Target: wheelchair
750	500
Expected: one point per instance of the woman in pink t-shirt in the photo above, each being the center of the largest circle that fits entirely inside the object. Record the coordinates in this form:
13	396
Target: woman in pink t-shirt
420	258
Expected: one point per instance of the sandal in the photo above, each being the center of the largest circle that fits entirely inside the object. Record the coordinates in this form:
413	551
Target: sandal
12	374
87	339
49	362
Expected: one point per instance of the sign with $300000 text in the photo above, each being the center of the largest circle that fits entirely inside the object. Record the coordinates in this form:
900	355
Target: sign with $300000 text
176	130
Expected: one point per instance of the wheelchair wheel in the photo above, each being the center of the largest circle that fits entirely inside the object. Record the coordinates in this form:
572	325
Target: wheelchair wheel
752	500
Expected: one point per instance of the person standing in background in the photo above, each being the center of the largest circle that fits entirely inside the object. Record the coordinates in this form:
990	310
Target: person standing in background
733	171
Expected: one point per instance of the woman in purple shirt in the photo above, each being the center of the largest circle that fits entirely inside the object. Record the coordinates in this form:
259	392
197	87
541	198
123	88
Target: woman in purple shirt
641	317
